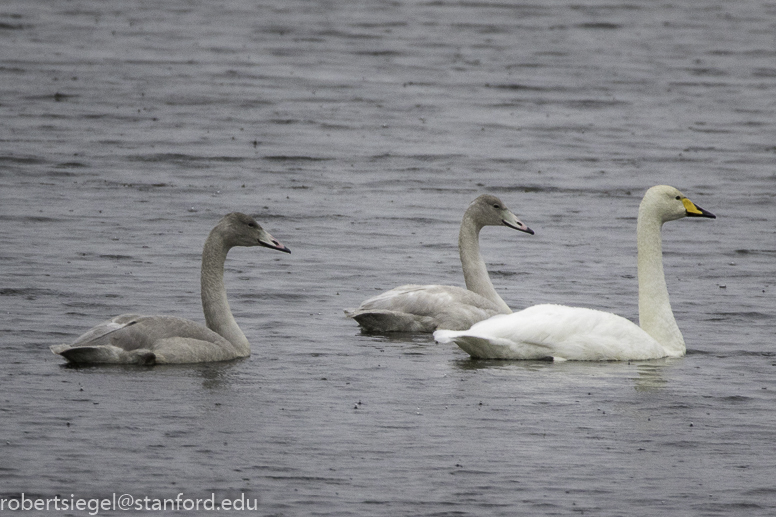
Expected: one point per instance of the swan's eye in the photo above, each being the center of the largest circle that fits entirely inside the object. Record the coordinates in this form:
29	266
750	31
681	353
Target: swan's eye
678	198
497	207
252	225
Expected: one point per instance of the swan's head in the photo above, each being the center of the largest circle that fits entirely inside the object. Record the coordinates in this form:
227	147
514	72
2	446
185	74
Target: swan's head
488	210
669	204
242	230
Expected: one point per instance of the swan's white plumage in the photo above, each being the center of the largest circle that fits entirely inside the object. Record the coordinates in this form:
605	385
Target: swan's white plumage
426	308
573	333
139	339
556	331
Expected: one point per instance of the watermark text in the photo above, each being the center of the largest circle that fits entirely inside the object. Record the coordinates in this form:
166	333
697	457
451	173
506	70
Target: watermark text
126	502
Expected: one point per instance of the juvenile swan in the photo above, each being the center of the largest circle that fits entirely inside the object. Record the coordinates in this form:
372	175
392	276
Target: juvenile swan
137	339
426	308
572	333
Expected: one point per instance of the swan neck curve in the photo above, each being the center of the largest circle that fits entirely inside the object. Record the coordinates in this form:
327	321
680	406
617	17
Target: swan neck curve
475	272
655	314
218	315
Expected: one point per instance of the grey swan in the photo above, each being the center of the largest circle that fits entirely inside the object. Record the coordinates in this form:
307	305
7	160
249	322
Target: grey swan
139	339
426	308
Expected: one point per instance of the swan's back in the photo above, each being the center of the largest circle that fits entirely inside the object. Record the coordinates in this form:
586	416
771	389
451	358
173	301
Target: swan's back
423	308
556	331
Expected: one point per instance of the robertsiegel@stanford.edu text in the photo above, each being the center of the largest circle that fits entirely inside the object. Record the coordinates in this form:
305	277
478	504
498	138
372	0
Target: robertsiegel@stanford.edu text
125	502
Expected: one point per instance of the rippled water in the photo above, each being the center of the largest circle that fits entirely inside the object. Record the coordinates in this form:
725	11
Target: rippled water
357	135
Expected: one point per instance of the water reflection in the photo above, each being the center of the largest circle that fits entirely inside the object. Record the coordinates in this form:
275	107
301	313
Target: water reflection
213	375
490	364
216	375
649	375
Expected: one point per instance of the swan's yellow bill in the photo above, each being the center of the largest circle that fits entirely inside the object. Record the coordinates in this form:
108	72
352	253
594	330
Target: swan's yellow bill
690	207
696	211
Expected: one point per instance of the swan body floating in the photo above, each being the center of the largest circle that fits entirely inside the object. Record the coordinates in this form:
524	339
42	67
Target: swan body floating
573	333
426	308
138	339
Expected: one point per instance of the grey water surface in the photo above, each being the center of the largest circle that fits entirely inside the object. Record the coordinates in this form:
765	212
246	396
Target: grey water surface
357	133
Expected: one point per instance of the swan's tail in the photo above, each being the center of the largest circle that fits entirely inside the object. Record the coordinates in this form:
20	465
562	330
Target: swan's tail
479	347
476	347
104	355
446	336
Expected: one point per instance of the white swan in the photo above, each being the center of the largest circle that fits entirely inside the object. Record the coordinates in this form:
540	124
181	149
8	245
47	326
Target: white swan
572	333
426	308
137	339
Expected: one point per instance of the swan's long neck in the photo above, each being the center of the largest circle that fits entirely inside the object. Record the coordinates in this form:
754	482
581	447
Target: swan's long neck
218	315
655	314
475	272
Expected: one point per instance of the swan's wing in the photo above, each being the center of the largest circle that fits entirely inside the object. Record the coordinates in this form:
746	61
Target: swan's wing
148	331
423	308
106	354
101	334
560	332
